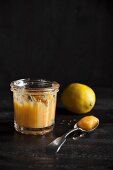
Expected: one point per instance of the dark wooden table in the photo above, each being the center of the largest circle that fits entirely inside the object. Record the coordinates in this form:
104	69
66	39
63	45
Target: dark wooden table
94	151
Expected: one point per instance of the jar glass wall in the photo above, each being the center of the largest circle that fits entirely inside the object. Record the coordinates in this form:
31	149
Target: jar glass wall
34	105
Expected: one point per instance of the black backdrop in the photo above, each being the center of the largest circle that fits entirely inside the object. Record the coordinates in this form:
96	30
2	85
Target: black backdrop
62	40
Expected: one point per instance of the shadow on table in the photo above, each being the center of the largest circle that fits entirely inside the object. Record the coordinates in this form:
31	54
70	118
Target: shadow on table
6	128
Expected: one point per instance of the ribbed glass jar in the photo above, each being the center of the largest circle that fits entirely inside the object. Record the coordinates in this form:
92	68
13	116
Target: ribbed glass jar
34	105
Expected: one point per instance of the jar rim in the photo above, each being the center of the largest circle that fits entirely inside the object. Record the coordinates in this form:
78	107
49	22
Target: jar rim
34	85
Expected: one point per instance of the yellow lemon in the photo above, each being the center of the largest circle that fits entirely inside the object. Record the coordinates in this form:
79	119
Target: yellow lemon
78	98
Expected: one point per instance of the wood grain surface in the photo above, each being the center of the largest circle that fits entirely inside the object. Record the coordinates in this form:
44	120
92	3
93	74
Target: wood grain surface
93	151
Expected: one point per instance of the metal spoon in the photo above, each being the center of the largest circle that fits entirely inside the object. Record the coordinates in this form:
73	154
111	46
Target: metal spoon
56	144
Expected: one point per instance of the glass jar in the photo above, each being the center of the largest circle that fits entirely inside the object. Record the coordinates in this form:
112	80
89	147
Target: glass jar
34	105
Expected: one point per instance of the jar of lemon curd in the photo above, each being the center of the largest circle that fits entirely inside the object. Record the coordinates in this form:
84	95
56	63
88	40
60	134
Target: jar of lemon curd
34	105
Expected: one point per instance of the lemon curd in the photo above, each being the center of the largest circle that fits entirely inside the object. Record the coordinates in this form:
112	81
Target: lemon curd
35	114
88	122
34	110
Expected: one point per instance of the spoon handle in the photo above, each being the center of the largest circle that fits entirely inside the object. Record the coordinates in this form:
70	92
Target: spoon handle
56	144
64	140
69	132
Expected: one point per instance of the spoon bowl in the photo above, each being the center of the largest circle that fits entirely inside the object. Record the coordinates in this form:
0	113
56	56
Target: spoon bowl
84	130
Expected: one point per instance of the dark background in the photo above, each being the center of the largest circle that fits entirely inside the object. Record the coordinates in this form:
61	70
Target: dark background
62	40
67	41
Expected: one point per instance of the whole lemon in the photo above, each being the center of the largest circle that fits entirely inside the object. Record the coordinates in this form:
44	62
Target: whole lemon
78	98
